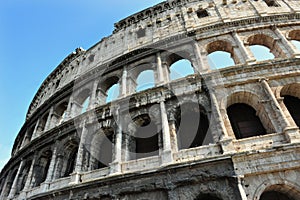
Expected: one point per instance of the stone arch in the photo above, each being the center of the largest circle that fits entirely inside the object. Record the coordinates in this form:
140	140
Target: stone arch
23	176
222	46
279	186
60	112
192	125
252	100
103	88
66	159
42	123
99	147
40	169
291	101
294	35
268	41
143	133
81	101
10	181
180	65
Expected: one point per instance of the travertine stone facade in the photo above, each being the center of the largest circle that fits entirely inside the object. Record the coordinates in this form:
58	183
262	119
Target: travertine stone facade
228	133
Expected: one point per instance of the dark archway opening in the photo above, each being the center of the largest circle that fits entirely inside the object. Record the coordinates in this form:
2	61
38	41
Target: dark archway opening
207	197
274	195
244	121
293	106
192	127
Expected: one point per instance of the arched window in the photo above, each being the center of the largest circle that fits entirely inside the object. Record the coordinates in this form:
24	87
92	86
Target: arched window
41	168
221	54
145	80
192	127
181	69
293	106
60	112
71	162
85	105
144	141
247	124
113	92
296	43
42	123
261	52
102	148
274	195
220	59
23	176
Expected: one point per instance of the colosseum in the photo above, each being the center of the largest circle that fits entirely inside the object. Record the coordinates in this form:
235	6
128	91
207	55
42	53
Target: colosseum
122	120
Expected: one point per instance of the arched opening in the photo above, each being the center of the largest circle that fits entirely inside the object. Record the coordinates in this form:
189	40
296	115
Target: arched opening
113	92
261	52
296	43
108	90
102	148
23	176
293	106
28	135
10	182
207	197
67	159
247	124
81	101
192	127
42	123
145	80
180	69
85	105
220	59
265	47
60	113
274	195
41	168
221	54
145	140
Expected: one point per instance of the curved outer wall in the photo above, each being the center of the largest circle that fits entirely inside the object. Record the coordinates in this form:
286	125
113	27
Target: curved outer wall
75	144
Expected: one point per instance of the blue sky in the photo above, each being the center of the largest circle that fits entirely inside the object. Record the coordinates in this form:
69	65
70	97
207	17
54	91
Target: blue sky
35	36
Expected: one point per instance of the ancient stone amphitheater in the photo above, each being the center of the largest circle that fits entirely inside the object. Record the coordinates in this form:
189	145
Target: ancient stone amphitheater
120	121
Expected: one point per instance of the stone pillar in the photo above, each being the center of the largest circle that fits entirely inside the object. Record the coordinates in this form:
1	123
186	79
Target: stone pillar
30	173
162	71
226	140
291	133
69	113
35	131
3	189
51	169
293	51
48	123
248	58
200	66
79	161
115	166
14	187
167	154
123	85
173	135
241	188
93	99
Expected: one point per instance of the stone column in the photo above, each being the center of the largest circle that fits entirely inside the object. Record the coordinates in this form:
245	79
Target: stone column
200	66
167	154
79	161
294	52
248	58
51	169
162	71
123	85
3	189
14	187
117	159
69	113
226	140
30	173
35	131
93	99
48	123
292	133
